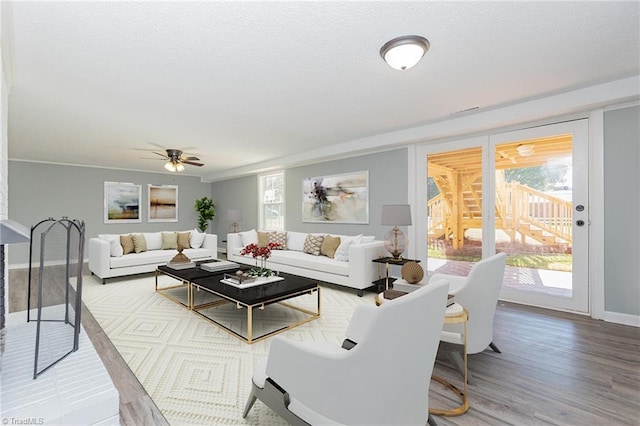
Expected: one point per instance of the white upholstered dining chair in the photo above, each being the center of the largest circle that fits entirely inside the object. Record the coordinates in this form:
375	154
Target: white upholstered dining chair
478	293
380	378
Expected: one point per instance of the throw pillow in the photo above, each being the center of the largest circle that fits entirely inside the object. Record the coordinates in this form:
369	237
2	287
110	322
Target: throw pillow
263	239
169	240
196	239
312	244
153	240
139	243
249	237
127	244
295	241
115	248
278	238
329	246
183	240
342	253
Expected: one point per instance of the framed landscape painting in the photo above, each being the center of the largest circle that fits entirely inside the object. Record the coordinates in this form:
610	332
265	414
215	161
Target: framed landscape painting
163	203
122	202
337	198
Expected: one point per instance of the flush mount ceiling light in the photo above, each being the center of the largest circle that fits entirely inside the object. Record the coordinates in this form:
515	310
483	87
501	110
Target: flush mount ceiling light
404	52
525	150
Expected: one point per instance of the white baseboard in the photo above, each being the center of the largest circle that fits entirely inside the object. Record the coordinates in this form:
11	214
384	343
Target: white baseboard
625	319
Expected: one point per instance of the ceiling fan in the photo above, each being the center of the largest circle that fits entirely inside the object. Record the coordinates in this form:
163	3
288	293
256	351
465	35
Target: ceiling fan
175	161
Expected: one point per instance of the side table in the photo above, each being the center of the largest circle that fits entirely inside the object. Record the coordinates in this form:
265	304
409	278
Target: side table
388	261
455	314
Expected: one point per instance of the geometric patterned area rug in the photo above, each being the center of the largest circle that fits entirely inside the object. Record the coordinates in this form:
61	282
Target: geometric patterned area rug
195	372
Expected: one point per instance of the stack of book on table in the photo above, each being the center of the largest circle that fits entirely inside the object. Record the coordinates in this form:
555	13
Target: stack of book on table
221	265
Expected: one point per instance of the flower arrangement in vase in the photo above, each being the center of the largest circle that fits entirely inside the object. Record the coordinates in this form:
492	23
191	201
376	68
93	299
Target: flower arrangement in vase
260	254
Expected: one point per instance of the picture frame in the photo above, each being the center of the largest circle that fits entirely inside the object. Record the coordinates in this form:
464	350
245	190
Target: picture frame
122	202
162	203
340	198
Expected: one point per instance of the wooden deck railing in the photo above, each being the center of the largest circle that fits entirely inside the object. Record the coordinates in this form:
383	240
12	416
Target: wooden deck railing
516	205
544	211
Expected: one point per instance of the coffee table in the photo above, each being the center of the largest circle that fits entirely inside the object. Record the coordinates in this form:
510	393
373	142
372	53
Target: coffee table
185	276
256	297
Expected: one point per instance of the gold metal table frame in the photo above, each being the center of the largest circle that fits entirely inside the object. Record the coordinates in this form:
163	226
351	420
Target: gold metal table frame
191	288
183	284
463	395
250	338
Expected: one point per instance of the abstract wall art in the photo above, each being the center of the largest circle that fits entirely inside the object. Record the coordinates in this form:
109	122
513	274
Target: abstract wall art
342	198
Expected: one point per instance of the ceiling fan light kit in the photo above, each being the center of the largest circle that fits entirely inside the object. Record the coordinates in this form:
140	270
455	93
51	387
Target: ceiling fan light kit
175	161
404	52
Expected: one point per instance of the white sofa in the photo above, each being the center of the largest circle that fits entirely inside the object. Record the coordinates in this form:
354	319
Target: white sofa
107	261
356	269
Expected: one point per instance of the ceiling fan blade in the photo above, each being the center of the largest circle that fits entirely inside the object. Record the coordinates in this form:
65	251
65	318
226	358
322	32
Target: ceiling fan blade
192	163
190	158
161	155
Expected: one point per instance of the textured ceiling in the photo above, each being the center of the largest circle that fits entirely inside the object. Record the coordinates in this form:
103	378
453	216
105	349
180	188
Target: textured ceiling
242	83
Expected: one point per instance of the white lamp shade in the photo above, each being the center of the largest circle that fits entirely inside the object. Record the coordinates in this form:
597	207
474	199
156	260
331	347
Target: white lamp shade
396	215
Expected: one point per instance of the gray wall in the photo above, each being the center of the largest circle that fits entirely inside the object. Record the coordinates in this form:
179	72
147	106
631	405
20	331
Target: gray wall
38	191
241	194
622	210
387	185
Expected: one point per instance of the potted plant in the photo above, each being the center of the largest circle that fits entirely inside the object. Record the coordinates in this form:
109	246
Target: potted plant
206	212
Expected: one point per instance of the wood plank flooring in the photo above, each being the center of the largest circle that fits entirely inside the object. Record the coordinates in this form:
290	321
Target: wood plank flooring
555	368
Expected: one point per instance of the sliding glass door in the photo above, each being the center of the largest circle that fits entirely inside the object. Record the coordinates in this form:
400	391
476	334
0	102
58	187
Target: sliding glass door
523	193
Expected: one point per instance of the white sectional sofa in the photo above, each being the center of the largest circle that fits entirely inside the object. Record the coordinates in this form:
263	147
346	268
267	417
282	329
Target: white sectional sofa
107	260
351	266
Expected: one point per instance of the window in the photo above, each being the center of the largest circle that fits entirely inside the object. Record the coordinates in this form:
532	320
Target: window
271	201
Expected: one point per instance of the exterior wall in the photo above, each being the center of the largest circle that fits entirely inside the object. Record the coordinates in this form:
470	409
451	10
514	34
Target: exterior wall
621	207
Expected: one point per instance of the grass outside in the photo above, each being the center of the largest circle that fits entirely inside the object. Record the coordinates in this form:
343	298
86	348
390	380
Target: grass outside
549	261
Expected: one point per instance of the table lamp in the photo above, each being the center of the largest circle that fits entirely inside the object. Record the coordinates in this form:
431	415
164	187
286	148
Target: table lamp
395	241
234	216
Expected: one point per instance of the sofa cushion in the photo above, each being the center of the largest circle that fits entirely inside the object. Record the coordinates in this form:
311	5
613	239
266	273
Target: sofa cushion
263	239
279	238
153	240
169	240
342	252
139	243
249	237
329	246
196	239
127	244
155	257
183	240
295	240
312	244
307	261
